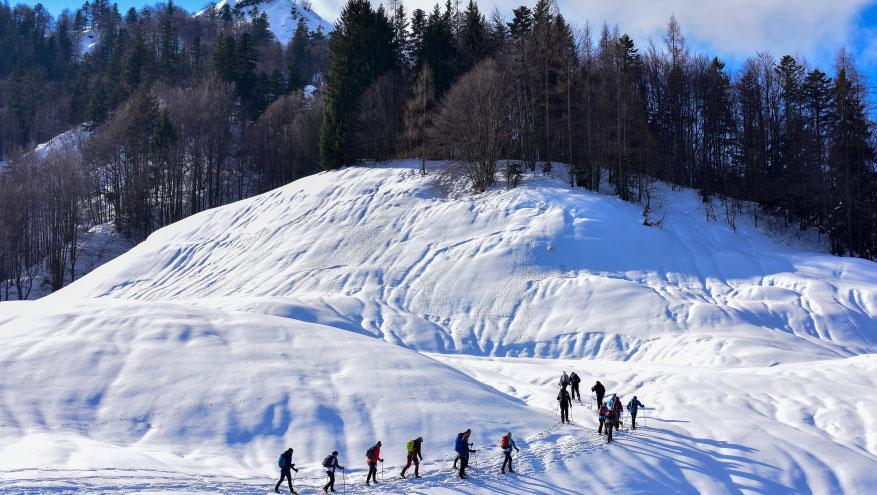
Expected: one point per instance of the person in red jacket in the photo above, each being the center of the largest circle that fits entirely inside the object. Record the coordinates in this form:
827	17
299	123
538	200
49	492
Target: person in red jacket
374	456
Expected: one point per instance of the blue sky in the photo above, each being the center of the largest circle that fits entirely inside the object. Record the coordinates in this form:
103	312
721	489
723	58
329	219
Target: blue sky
732	29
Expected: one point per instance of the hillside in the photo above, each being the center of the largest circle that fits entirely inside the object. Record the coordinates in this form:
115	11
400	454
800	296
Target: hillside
544	271
371	303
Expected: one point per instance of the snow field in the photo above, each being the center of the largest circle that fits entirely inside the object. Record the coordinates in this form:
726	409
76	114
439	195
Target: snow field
369	303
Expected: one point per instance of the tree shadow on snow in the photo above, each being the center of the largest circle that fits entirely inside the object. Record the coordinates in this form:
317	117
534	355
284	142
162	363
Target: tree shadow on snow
723	462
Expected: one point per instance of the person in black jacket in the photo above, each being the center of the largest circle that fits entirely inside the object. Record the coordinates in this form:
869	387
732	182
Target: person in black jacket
565	403
286	466
574	381
600	390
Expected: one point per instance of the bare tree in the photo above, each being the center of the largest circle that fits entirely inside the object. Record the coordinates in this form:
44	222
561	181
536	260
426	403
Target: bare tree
472	124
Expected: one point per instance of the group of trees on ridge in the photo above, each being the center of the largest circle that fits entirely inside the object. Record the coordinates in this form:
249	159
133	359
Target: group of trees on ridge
190	112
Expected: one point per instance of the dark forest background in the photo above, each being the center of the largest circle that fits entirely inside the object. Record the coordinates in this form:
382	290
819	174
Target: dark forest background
178	113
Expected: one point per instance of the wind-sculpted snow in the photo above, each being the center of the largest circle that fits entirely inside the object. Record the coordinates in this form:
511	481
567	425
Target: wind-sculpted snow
543	270
168	386
189	363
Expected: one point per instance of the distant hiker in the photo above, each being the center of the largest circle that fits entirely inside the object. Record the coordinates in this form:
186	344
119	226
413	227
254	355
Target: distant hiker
607	413
565	403
284	462
602	411
463	450
457	441
330	463
617	411
373	454
633	407
600	390
564	380
507	444
574	381
414	456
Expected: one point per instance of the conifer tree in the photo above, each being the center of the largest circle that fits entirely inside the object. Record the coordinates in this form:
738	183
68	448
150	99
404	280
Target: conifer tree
362	49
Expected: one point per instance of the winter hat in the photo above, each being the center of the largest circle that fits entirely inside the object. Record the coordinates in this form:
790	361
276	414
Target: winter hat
334	452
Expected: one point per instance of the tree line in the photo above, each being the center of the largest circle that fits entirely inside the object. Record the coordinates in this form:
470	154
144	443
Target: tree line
184	113
181	113
778	137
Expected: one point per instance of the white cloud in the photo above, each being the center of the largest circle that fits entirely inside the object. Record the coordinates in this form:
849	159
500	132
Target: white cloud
814	29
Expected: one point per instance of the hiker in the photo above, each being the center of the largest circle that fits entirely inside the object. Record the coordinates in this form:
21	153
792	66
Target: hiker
565	403
632	408
600	390
606	417
330	463
413	448
507	444
373	455
463	450
574	381
285	464
459	438
617	411
601	415
564	380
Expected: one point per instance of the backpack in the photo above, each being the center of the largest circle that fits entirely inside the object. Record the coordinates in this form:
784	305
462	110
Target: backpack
410	446
370	452
505	442
459	444
328	461
280	462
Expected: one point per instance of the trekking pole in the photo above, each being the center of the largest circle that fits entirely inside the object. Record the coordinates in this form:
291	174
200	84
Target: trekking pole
382	470
343	481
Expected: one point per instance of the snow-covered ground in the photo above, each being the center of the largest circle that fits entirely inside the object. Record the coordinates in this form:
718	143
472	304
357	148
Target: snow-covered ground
368	304
280	19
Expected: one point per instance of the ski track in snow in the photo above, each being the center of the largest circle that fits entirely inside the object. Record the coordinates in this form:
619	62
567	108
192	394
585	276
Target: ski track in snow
368	303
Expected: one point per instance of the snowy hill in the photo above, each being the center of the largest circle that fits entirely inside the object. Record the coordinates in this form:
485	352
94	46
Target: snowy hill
368	303
280	19
543	271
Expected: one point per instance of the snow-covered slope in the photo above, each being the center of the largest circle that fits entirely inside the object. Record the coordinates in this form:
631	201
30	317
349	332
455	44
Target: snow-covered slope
302	317
543	270
280	19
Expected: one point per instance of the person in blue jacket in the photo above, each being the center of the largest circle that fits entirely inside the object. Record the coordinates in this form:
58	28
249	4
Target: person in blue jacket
462	446
459	436
632	407
507	444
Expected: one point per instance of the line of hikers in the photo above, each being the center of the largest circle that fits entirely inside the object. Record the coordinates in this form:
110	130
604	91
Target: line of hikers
462	447
608	413
609	416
